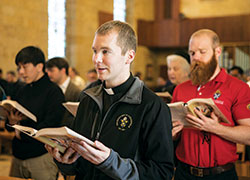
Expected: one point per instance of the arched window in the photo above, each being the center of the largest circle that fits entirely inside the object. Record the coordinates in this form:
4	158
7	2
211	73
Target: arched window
120	10
56	28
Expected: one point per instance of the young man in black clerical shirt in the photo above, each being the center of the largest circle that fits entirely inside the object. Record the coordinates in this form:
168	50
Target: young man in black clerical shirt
129	124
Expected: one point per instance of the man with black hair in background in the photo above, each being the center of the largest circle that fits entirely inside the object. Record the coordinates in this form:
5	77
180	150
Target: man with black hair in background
44	99
14	84
237	71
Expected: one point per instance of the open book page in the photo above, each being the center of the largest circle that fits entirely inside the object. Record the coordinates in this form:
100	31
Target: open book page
55	137
53	143
178	112
63	133
206	106
166	96
46	140
26	130
8	104
163	94
72	107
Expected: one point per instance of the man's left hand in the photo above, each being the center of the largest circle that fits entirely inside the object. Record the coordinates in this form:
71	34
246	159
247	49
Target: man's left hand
202	122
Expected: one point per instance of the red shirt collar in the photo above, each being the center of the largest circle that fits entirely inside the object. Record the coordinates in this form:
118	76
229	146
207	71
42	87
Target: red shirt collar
221	77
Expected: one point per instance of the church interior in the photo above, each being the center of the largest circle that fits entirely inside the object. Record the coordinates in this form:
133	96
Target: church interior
162	27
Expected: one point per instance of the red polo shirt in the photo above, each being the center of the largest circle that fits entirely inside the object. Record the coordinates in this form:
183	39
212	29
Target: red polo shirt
232	97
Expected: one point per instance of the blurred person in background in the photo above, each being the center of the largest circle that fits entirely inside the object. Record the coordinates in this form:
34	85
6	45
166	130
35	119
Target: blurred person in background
91	76
3	82
76	78
178	69
178	72
14	84
237	71
57	69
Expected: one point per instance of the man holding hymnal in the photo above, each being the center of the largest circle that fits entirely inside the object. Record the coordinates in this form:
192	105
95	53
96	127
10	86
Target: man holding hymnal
207	150
43	99
129	124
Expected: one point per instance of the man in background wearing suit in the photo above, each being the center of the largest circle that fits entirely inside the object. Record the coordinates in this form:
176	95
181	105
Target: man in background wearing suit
57	69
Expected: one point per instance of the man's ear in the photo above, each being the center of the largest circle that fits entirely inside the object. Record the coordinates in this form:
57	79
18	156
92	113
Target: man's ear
130	55
40	67
217	51
63	69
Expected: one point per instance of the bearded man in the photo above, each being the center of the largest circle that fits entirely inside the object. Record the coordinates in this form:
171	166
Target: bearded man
207	150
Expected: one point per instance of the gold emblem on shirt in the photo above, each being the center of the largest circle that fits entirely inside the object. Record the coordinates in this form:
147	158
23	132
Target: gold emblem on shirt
124	122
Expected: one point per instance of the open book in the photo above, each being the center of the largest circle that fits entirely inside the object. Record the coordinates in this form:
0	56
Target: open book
55	137
166	96
163	94
9	104
205	105
72	107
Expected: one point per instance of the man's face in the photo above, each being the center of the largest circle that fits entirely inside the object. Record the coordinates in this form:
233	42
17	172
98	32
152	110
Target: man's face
29	72
54	74
200	49
176	74
202	72
10	78
204	60
110	64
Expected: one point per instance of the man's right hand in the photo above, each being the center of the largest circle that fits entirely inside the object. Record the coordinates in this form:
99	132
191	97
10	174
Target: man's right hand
177	127
69	157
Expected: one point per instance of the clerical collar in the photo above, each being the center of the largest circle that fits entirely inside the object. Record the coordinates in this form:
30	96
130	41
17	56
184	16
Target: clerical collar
109	91
121	88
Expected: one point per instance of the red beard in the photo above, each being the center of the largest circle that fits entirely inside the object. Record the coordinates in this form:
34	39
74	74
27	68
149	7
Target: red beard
202	72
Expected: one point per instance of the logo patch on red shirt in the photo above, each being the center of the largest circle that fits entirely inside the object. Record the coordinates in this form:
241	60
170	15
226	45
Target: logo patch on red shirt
217	94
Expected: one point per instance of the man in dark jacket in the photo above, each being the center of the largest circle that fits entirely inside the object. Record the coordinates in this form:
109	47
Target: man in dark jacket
44	99
129	124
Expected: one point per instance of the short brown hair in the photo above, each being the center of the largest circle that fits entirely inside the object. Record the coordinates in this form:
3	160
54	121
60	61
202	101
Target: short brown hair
126	35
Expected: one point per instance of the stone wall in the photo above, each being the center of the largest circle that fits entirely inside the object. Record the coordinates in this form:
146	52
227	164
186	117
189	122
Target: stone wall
82	22
204	8
22	23
25	22
214	8
137	10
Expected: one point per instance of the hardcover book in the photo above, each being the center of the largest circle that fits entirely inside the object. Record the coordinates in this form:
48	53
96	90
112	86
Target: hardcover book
8	105
204	105
55	137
